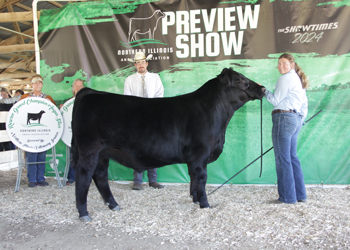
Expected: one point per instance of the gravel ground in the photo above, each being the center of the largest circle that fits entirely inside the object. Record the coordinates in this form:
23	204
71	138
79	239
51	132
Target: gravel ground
241	217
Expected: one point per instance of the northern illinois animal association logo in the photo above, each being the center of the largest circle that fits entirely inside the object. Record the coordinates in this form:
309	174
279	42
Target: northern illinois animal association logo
34	124
142	30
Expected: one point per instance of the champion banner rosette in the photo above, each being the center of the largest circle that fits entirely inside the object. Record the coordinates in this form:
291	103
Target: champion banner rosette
66	112
191	42
34	124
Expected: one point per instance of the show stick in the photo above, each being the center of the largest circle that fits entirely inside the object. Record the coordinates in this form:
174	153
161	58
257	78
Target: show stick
259	157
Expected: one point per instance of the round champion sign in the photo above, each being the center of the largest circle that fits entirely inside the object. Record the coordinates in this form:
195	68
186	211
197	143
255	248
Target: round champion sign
34	124
66	111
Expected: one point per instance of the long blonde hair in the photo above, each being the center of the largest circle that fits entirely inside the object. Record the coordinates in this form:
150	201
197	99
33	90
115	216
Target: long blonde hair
298	69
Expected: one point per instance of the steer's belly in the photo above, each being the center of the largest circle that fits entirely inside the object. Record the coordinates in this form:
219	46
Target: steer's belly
141	160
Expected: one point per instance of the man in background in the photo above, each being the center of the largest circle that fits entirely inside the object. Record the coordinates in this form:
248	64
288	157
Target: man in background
147	85
77	85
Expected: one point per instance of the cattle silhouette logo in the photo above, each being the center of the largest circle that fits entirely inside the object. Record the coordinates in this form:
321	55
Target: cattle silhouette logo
142	30
34	124
34	116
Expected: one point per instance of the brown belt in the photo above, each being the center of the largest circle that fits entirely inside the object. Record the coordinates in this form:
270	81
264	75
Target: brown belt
282	111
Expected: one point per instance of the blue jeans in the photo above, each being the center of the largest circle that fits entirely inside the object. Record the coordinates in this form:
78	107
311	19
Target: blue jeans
152	176
290	178
36	172
71	173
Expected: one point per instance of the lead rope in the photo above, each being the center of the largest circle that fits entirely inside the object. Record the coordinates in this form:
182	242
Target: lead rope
261	137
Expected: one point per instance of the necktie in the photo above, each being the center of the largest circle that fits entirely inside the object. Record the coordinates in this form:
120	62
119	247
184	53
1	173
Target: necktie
144	86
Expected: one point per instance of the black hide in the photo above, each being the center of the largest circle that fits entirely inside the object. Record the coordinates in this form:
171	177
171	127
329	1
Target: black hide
143	133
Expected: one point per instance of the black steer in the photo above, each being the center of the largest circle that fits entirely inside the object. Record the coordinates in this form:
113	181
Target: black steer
143	133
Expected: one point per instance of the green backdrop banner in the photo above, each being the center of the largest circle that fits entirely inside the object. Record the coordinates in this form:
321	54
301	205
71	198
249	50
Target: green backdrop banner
191	42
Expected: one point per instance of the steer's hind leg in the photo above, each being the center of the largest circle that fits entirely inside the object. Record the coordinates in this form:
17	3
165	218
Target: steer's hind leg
198	174
101	180
83	177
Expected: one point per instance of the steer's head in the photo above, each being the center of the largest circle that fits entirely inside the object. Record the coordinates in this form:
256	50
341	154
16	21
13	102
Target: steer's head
238	82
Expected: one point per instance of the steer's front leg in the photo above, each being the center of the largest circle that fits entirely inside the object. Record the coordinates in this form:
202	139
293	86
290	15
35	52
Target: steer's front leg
198	174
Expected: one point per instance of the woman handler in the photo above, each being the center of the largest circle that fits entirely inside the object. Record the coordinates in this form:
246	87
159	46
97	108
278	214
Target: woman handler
290	106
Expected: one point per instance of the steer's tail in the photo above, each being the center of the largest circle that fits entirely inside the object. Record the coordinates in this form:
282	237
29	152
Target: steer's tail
74	152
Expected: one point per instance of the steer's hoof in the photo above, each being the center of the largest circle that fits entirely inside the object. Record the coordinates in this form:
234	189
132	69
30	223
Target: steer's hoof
116	208
206	206
85	218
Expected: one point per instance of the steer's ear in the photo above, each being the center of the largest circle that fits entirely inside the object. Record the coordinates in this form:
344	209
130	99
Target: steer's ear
225	76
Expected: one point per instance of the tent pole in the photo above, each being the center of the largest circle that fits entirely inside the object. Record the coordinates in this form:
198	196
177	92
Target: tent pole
36	42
